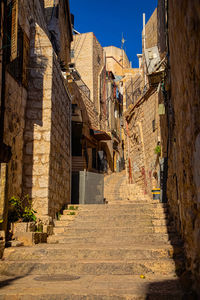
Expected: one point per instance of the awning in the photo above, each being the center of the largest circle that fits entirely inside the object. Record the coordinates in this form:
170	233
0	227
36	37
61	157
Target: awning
100	135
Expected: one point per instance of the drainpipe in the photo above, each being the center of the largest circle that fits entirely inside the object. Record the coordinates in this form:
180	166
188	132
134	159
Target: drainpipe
5	151
144	46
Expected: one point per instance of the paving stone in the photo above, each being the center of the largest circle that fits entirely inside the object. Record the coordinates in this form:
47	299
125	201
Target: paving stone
118	251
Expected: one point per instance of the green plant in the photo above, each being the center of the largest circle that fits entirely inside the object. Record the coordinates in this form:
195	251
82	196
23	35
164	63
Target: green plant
71	213
58	215
39	226
73	207
158	149
21	209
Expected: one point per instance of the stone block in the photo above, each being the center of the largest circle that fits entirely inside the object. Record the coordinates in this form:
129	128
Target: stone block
41	193
22	227
28	181
14	243
43	181
37	136
2	246
31	238
39	170
29	148
48	229
47	136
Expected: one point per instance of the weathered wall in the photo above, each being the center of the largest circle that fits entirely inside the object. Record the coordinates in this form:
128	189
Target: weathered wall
83	58
151	37
143	130
89	113
16	97
98	67
38	120
47	133
143	140
62	18
89	61
161	21
14	128
184	150
60	156
120	57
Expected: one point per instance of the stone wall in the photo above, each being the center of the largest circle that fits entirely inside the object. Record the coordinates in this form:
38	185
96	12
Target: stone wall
60	139
88	110
37	123
98	68
15	109
116	60
151	37
47	133
143	139
184	148
14	129
63	21
89	62
83	53
38	120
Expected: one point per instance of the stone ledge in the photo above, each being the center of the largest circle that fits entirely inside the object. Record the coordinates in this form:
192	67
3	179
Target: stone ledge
31	238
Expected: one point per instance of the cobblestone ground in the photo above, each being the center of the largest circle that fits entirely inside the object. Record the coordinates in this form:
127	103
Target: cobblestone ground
125	249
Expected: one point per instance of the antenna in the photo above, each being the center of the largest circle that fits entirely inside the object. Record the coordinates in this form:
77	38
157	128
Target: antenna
123	41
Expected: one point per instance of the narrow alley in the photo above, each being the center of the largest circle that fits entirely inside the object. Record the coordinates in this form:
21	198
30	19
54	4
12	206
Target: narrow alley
125	249
99	150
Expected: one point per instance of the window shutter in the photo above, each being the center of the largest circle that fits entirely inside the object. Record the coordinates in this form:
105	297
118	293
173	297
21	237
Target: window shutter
25	59
14	30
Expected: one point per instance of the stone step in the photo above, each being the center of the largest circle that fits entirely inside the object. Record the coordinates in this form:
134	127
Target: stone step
156	238
139	225
148	251
90	287
90	267
123	207
98	207
115	232
136	222
143	213
147	219
151	212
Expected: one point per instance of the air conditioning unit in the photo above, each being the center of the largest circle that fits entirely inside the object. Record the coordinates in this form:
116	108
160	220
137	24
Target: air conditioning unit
71	66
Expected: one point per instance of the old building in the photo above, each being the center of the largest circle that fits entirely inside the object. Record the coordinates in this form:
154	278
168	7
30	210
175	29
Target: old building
88	57
37	105
179	42
142	116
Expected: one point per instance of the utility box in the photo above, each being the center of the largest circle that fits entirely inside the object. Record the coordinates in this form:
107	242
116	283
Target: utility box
87	188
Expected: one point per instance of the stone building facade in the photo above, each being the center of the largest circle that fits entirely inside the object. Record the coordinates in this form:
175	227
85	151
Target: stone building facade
181	125
143	121
116	60
90	62
37	119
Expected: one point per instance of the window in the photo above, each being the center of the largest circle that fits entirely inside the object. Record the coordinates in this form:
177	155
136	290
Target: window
98	59
17	54
94	159
72	53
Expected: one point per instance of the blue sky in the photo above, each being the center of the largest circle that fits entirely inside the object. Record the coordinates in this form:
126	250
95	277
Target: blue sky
108	19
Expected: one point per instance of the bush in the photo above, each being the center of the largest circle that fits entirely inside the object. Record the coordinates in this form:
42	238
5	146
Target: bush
20	209
158	149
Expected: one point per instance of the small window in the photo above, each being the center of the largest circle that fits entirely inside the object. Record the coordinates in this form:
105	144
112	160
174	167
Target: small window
94	158
72	53
154	125
99	59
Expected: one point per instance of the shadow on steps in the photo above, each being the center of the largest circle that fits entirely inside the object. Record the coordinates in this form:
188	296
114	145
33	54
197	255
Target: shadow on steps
182	286
9	281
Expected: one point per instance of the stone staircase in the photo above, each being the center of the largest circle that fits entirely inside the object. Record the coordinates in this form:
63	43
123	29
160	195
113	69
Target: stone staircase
117	189
125	249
